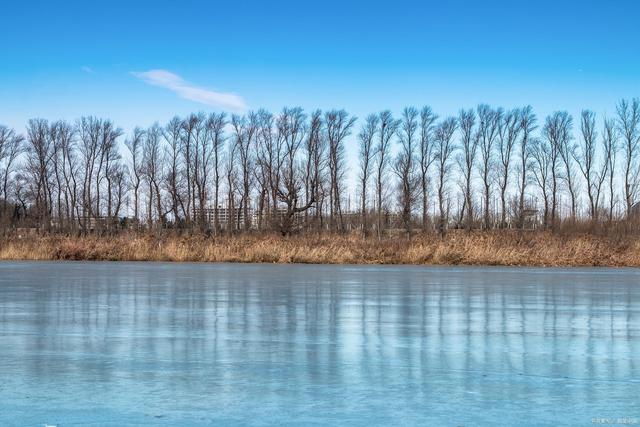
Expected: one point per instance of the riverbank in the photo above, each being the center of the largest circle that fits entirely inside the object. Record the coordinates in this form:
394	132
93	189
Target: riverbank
494	248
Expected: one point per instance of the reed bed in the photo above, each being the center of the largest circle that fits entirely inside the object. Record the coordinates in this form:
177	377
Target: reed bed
478	248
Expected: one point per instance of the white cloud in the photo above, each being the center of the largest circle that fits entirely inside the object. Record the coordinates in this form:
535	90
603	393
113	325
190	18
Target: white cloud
86	69
186	90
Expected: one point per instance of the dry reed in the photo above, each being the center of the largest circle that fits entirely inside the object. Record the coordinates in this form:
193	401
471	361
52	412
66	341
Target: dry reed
479	248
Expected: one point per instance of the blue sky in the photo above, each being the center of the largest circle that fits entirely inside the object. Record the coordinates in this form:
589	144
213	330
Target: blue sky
145	62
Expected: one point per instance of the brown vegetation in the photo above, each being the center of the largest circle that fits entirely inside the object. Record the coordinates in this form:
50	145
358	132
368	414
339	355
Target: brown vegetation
459	248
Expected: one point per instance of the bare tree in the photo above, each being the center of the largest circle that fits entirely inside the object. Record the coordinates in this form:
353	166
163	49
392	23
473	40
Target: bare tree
315	165
134	145
88	129
269	148
489	123
508	134
118	189
65	133
174	176
444	149
629	125
22	194
338	126
292	168
199	143
540	150
39	155
97	142
388	128
113	174
216	123
426	157
555	132
405	165
600	177
191	126
65	170
108	134
264	137
292	131
567	151
527	126
11	146
466	162
153	170
610	148
232	183
366	138
585	157
56	181
245	129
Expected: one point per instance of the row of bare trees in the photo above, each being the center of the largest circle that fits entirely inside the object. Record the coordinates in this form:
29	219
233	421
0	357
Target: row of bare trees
484	168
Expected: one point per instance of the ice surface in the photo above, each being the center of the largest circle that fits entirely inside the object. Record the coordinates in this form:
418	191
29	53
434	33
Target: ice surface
116	344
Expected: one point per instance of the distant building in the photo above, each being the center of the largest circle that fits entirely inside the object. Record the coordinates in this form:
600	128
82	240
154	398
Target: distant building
530	218
89	224
225	215
236	217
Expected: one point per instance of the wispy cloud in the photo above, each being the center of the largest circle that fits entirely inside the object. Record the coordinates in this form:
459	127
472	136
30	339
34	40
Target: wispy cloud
186	90
86	69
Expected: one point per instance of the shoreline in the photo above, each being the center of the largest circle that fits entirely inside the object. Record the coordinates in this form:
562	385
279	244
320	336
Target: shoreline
426	266
498	248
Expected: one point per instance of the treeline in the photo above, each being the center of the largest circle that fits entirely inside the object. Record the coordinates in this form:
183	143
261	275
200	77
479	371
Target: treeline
485	168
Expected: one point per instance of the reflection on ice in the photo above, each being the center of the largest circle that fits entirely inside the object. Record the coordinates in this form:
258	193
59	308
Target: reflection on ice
195	344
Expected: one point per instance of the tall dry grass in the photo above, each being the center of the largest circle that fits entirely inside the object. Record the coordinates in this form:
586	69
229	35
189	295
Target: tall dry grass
479	248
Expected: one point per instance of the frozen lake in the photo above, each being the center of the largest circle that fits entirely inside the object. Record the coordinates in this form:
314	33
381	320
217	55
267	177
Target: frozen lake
116	344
